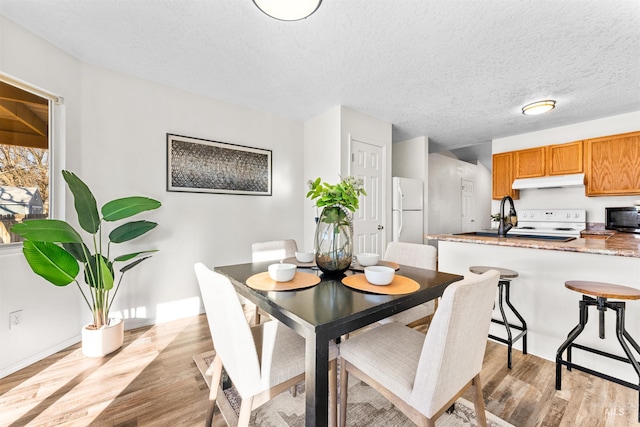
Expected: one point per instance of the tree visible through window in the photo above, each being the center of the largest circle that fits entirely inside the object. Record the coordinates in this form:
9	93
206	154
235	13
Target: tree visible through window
24	158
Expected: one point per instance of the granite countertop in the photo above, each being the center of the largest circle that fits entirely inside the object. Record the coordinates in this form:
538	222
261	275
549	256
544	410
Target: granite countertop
616	244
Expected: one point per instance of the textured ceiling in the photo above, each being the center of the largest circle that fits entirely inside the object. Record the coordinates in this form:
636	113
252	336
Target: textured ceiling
455	71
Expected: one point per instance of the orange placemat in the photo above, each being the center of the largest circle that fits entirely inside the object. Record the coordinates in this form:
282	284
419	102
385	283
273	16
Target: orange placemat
262	282
357	267
400	285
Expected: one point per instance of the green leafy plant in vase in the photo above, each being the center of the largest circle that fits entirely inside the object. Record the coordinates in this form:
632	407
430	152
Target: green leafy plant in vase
56	251
495	219
334	230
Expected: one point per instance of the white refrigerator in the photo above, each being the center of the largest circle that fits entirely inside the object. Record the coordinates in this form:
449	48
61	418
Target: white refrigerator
407	207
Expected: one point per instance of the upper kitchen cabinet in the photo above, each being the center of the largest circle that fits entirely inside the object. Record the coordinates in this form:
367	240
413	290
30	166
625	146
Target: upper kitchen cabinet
503	176
530	163
559	159
612	165
563	159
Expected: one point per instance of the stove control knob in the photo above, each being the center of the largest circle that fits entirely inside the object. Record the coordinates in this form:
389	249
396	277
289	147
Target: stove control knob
568	215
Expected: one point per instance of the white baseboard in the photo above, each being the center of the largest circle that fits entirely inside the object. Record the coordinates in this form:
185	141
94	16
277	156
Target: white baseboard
38	356
139	323
128	324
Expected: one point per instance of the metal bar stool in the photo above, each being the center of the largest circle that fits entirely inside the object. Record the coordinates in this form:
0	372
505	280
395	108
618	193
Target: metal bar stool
503	288
602	291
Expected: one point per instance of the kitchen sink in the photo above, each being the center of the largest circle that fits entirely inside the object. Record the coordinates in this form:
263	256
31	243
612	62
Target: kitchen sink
517	236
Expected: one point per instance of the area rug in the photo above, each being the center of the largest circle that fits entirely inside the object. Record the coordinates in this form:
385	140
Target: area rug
366	407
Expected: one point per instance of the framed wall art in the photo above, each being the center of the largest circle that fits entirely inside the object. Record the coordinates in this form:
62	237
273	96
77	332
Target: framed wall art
204	166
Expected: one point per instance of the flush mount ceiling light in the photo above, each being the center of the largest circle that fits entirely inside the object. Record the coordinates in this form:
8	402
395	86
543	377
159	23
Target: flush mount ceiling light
538	107
288	10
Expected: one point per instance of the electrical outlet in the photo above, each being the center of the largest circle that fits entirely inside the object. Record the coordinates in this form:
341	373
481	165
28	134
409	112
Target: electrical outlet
15	318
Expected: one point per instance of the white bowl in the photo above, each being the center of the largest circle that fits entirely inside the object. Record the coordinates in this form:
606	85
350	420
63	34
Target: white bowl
379	275
282	272
366	260
305	256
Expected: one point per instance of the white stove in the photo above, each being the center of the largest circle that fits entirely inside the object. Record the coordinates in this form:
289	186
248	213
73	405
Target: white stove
551	222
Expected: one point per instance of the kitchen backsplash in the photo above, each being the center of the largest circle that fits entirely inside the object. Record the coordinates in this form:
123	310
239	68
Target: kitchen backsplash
568	198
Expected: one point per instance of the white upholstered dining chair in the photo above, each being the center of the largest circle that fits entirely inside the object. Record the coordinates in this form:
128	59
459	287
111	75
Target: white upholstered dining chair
261	361
413	255
424	375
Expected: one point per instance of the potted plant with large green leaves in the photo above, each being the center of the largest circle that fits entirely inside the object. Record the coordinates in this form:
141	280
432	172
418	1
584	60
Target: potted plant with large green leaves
56	251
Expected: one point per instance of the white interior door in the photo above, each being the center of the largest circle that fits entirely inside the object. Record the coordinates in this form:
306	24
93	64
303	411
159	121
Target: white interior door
468	206
368	222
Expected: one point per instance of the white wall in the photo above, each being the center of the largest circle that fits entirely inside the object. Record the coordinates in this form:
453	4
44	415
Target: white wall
116	142
445	194
482	191
410	160
321	159
327	154
50	316
569	198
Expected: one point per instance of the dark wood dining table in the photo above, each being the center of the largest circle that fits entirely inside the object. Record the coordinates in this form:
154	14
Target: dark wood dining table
328	311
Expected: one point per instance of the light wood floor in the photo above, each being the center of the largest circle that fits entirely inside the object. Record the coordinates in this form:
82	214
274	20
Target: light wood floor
153	381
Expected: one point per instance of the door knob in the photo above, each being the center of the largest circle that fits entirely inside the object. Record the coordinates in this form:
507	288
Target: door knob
380	227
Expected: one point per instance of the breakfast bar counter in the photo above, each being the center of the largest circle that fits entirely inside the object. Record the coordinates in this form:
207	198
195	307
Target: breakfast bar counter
616	244
539	292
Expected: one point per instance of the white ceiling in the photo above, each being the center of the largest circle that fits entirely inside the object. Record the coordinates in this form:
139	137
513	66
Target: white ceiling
455	71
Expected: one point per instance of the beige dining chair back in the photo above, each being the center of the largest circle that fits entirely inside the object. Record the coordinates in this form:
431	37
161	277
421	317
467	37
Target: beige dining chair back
273	250
424	375
261	361
413	255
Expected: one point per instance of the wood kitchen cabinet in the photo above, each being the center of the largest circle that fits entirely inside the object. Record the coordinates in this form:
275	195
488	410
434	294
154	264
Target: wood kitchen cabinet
503	176
612	165
559	159
530	163
563	159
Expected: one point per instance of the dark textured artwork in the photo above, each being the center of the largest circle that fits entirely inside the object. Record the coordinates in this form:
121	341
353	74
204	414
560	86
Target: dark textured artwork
198	165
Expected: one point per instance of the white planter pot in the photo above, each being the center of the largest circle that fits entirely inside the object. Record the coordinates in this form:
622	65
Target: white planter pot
100	342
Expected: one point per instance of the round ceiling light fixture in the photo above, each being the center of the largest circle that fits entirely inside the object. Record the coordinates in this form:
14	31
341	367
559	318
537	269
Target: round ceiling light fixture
539	107
288	10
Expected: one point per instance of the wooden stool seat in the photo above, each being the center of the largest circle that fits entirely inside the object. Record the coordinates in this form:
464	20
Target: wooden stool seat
603	290
505	273
504	285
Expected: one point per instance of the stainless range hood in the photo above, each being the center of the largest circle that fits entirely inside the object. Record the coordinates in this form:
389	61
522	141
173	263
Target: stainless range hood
574	180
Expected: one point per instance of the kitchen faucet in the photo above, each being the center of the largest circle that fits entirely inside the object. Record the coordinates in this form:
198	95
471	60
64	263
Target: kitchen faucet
505	225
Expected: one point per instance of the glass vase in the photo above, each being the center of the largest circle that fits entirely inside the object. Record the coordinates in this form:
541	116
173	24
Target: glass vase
333	240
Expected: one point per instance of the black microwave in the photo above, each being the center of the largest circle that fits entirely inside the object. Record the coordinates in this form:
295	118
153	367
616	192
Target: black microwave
625	219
